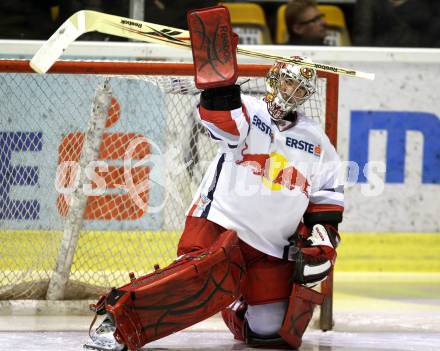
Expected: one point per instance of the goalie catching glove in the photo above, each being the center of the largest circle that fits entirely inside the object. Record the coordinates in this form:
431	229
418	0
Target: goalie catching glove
314	253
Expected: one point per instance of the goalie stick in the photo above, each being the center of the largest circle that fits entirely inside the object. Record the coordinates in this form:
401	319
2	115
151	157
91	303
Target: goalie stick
89	21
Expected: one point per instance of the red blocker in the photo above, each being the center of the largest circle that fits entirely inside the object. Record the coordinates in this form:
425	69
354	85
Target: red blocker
213	46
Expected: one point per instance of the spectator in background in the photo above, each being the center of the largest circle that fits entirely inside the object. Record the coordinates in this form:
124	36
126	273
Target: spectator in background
305	23
172	13
114	7
401	23
165	12
434	30
26	19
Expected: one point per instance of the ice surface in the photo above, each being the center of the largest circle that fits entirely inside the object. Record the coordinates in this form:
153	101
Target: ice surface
191	340
371	314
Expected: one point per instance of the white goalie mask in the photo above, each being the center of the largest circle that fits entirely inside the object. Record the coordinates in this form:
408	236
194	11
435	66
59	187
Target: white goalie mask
288	87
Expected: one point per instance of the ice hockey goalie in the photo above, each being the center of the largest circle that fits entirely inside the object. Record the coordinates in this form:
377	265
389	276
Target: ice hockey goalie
260	233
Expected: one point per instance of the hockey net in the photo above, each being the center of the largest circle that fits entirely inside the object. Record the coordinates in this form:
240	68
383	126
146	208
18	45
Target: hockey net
136	166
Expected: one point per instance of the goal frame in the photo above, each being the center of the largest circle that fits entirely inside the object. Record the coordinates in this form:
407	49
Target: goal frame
176	68
187	69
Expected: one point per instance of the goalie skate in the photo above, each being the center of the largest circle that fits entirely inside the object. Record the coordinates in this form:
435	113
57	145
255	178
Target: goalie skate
102	338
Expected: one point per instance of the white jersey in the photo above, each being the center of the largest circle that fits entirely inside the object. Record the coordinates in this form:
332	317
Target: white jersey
266	175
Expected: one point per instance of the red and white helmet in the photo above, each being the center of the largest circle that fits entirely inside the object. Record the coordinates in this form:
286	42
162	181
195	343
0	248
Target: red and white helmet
288	86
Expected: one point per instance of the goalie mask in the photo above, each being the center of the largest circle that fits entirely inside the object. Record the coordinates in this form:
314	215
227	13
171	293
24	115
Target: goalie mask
288	87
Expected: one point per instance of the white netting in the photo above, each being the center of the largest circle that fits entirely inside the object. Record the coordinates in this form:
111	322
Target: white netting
132	220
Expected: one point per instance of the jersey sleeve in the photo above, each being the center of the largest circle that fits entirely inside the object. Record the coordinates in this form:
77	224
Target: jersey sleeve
225	117
326	203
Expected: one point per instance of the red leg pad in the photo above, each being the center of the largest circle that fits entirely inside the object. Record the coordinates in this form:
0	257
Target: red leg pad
233	316
198	234
268	278
213	47
299	313
193	288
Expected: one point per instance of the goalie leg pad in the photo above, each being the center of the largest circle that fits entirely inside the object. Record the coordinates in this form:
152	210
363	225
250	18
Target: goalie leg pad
233	316
199	233
213	47
193	288
299	313
268	279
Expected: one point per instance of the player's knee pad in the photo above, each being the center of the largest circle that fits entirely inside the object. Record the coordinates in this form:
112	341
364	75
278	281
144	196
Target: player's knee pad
262	320
266	319
299	313
193	288
257	328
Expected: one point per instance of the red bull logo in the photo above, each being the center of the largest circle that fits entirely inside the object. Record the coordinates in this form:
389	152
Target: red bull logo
275	171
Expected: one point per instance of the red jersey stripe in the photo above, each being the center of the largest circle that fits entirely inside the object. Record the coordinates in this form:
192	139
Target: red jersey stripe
193	208
221	119
246	115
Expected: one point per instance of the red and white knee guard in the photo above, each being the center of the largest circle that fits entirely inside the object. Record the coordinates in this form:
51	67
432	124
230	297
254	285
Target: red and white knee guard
276	275
298	315
234	317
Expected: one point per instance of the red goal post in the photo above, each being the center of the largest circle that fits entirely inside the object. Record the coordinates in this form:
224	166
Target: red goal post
47	125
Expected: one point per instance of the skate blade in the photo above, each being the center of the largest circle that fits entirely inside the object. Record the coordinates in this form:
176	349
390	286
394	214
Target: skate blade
93	347
100	348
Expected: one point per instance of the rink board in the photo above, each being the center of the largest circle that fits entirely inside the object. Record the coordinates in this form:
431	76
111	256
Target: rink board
359	252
